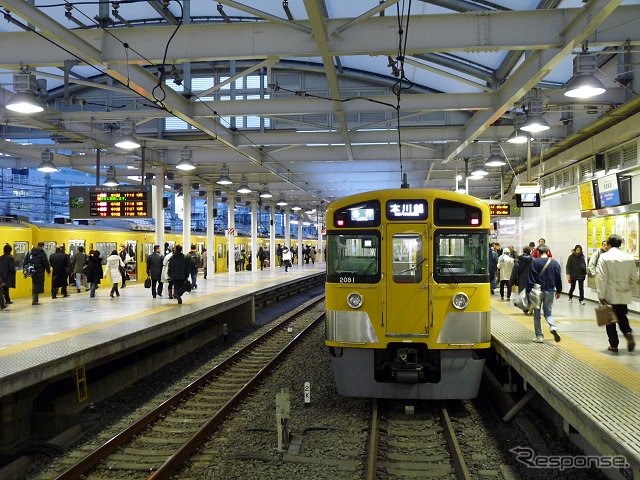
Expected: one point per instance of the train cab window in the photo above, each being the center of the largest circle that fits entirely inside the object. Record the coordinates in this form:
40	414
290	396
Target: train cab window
407	258
19	253
461	257
353	257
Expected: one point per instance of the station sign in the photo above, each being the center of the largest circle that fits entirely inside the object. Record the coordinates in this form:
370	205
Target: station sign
499	209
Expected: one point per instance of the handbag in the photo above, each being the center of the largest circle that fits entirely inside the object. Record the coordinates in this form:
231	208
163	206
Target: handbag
147	282
535	295
605	315
521	301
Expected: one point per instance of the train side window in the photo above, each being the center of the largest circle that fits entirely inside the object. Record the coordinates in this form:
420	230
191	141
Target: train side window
407	258
20	250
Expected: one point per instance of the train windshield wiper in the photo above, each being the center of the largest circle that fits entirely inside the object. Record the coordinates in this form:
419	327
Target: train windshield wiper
453	275
415	267
366	270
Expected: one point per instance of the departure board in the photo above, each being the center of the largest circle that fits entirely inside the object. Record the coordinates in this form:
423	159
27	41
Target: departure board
499	209
110	202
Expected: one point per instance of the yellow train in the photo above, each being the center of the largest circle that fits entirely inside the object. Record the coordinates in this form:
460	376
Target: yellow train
408	293
107	236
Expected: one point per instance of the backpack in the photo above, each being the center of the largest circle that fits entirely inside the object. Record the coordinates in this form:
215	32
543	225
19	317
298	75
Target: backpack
193	262
28	268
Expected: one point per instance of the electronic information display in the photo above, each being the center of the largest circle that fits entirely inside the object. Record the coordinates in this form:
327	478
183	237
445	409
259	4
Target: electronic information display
110	202
499	209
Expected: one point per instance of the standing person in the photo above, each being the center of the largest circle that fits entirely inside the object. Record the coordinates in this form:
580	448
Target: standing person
286	258
616	274
535	253
114	268
312	255
279	254
204	263
61	266
520	272
593	261
154	271
165	272
261	256
7	273
193	264
493	266
78	262
124	256
243	259
576	272
548	273
178	272
38	258
505	267
94	271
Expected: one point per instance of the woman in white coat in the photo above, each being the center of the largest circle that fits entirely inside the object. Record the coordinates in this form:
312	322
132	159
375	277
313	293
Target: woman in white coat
505	267
114	263
165	273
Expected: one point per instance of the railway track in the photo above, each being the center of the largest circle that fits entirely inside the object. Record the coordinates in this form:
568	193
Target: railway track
158	443
423	445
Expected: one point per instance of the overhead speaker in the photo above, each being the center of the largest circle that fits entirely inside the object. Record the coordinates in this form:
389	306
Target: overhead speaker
599	161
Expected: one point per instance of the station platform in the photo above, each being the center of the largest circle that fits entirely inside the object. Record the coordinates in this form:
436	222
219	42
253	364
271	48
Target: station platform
595	391
51	340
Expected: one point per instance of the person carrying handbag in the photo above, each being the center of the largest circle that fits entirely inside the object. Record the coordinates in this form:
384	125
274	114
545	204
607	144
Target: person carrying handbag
547	273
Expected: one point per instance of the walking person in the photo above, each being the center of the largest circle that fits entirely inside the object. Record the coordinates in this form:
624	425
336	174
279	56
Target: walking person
154	271
78	263
124	256
520	273
593	261
193	264
546	272
114	269
38	258
165	272
616	274
261	256
576	272
286	258
61	267
493	265
178	272
505	268
312	255
7	273
94	271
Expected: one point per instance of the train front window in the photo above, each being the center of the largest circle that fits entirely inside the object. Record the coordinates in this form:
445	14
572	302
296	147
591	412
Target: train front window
461	256
353	257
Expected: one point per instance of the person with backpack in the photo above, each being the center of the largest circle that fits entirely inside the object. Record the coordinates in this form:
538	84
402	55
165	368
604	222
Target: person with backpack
38	259
193	264
261	256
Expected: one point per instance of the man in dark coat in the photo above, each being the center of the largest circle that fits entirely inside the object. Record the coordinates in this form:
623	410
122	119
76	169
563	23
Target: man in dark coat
94	271
7	274
178	272
154	270
38	258
61	267
520	272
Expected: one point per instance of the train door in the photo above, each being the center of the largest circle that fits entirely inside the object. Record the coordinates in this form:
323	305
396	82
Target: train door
407	302
131	247
73	246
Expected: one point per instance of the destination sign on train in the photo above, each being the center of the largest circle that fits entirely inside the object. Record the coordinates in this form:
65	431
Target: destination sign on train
406	209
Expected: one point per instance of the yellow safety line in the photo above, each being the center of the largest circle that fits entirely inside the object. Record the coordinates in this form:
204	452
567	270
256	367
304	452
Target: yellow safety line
602	363
67	334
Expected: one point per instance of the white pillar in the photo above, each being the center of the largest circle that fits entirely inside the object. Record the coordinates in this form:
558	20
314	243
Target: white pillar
186	213
300	238
272	237
254	233
211	245
287	226
320	256
231	240
158	214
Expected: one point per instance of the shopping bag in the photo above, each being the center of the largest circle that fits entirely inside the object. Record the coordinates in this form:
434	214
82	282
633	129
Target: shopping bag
521	301
147	282
535	295
605	315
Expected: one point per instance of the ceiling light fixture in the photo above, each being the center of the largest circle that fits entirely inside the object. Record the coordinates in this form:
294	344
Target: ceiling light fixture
185	163
584	83
495	158
535	122
127	140
25	100
296	207
244	186
281	202
224	176
46	164
111	180
265	193
479	171
518	137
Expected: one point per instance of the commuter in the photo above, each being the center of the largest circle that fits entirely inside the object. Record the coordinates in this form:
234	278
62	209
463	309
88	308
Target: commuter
94	271
178	272
7	273
154	271
312	255
279	255
505	267
38	258
593	261
307	254
61	266
165	272
243	259
512	252
576	272
286	258
126	258
493	266
548	273
616	275
520	272
78	263
204	263
535	252
193	264
237	259
114	268
261	256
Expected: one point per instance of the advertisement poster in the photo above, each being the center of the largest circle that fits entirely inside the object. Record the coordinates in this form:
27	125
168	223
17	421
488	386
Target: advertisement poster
621	228
608	227
631	239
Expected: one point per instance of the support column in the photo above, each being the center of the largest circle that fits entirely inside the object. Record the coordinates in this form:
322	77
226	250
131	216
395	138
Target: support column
158	210
287	226
300	262
254	234
211	246
231	239
186	213
319	256
272	237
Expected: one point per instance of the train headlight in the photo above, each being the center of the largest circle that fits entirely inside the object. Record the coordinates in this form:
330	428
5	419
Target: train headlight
460	301
354	300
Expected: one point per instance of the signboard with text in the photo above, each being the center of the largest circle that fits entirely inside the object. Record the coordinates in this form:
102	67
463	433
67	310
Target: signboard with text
110	202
